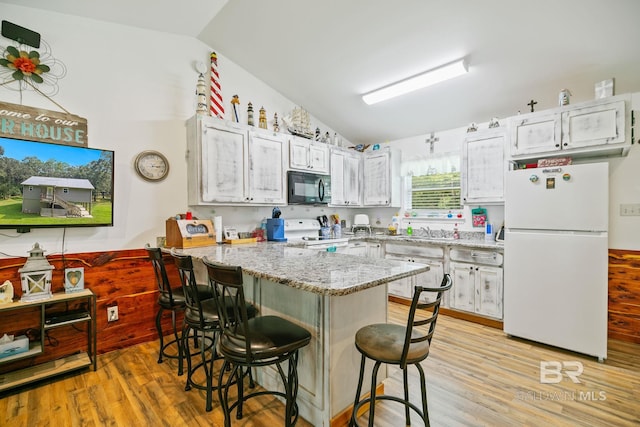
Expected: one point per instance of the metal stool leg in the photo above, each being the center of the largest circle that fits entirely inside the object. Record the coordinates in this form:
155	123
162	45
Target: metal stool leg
160	334
405	381
354	415
423	390
372	403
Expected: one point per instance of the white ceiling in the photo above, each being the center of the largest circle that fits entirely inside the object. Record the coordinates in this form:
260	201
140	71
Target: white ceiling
325	54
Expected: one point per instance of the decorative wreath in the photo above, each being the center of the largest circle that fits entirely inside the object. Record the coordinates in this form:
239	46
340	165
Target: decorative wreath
26	65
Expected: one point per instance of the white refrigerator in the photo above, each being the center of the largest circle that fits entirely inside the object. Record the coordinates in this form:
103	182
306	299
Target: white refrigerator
556	256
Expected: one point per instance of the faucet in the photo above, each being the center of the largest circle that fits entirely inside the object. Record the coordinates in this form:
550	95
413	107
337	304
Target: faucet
426	230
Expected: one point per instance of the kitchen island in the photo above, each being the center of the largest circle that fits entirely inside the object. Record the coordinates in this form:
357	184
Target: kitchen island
332	295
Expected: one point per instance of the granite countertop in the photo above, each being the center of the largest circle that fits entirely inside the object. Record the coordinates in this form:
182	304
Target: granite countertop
320	272
475	243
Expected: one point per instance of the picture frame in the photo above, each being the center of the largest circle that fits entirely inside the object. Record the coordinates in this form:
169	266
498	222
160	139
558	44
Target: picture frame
73	279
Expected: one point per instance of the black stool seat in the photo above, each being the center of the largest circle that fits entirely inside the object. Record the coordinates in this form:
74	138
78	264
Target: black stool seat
177	299
401	345
271	336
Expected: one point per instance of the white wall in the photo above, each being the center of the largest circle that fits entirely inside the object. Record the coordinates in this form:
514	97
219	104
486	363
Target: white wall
136	88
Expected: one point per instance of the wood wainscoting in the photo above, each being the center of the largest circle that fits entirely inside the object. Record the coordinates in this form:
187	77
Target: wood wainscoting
123	278
624	295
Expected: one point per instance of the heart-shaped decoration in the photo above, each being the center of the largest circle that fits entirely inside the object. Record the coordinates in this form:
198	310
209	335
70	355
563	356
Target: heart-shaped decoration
73	277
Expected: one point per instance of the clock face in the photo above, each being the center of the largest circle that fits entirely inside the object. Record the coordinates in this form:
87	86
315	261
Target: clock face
152	166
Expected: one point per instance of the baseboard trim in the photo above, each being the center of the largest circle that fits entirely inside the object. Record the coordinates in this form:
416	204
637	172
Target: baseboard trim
343	418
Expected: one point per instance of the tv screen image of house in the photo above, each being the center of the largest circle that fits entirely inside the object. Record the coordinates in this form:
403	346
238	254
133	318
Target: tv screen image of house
53	185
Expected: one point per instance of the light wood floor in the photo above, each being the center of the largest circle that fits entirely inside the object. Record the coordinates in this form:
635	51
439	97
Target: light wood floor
476	377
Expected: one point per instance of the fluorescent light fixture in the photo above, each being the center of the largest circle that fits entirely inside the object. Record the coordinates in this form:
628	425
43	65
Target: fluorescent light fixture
428	78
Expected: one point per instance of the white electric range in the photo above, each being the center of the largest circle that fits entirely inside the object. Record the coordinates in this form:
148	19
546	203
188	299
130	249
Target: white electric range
308	232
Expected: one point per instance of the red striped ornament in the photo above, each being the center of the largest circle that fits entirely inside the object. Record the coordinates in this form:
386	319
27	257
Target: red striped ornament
217	110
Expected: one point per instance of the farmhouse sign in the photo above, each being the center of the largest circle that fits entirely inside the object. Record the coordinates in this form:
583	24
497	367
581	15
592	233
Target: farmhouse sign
33	124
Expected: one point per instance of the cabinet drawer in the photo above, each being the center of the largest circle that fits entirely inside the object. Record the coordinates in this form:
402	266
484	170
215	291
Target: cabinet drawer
476	256
415	250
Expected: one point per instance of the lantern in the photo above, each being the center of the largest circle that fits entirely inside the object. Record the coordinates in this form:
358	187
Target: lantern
35	276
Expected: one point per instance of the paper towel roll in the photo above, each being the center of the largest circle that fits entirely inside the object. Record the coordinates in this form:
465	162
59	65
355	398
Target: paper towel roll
217	226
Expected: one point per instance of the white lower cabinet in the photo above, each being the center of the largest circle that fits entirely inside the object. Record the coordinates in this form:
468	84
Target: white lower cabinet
374	250
433	255
358	248
477	286
476	274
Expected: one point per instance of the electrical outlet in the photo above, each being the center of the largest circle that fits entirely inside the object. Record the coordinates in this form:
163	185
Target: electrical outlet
631	209
112	313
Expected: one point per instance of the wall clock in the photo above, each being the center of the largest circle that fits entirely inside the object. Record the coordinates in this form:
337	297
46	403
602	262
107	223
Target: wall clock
152	166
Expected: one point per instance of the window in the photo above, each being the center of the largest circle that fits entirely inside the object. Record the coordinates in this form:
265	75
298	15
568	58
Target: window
65	190
434	182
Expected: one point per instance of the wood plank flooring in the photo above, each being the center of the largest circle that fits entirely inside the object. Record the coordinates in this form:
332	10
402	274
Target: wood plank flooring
476	377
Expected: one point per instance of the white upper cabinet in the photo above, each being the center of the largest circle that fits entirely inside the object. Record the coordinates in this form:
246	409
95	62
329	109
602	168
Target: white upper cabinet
588	129
345	178
308	156
377	179
484	166
381	178
535	133
588	126
266	168
229	164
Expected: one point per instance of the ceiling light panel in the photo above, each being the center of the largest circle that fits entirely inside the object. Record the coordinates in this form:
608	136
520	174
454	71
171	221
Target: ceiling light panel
428	78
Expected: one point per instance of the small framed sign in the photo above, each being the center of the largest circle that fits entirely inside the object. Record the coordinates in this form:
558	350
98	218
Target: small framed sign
73	279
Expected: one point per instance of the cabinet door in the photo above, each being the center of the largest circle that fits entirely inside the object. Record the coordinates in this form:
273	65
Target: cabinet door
337	178
462	293
358	249
345	178
266	177
223	163
429	279
374	250
401	287
352	179
484	167
298	154
535	133
597	125
488	300
376	179
319	158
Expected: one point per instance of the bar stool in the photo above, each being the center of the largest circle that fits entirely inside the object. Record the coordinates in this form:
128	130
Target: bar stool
169	298
400	345
201	317
252	342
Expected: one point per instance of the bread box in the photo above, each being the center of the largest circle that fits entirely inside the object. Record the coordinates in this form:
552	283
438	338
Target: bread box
189	233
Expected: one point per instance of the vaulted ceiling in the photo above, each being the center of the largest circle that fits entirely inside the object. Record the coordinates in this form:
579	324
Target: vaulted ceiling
325	54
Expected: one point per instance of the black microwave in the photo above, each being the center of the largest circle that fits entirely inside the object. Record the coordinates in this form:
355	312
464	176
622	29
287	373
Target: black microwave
308	188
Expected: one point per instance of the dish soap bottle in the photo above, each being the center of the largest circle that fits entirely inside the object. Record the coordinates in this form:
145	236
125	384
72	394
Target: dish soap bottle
409	230
456	235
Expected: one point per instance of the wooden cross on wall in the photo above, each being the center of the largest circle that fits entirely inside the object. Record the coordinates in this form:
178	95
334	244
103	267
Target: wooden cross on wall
431	141
531	104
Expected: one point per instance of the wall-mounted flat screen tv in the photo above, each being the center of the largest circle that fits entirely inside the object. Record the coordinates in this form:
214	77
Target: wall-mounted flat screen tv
54	185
